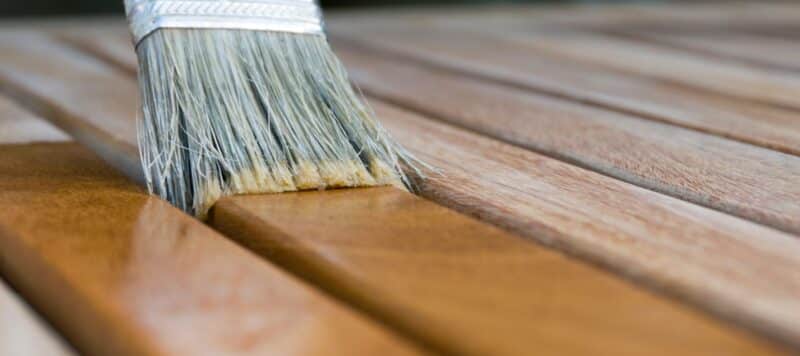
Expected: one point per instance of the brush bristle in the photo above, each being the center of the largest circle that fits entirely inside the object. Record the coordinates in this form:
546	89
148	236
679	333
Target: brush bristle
239	112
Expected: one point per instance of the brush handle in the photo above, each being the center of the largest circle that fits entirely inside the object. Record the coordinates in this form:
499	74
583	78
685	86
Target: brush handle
295	16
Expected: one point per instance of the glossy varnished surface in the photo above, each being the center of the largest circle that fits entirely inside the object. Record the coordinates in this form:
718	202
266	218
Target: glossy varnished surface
122	273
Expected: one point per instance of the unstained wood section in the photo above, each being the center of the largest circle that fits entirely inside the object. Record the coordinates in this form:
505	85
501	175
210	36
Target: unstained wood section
754	49
747	181
668	64
18	126
454	283
495	59
22	332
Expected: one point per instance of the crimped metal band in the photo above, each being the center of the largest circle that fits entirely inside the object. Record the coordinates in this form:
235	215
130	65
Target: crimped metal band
297	16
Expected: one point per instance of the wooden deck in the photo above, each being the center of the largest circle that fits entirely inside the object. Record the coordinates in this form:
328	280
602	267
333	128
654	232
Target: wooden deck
615	180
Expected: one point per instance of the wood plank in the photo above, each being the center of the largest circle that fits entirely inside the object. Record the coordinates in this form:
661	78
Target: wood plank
123	273
18	126
743	47
666	64
750	182
22	332
435	278
493	59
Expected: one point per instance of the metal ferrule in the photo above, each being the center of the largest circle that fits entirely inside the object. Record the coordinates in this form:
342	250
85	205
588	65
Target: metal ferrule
296	16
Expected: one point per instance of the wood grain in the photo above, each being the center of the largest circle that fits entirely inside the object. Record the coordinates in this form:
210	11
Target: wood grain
733	267
122	273
459	285
749	48
750	182
434	274
667	64
22	332
498	60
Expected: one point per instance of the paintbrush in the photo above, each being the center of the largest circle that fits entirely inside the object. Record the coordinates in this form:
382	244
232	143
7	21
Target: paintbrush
246	96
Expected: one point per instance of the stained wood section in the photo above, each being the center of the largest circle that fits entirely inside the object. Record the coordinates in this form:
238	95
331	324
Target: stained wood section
22	332
434	274
121	273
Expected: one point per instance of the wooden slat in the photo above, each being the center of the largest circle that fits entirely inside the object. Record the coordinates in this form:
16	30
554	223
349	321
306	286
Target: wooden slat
122	273
18	126
22	332
748	48
750	182
493	59
458	285
662	63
